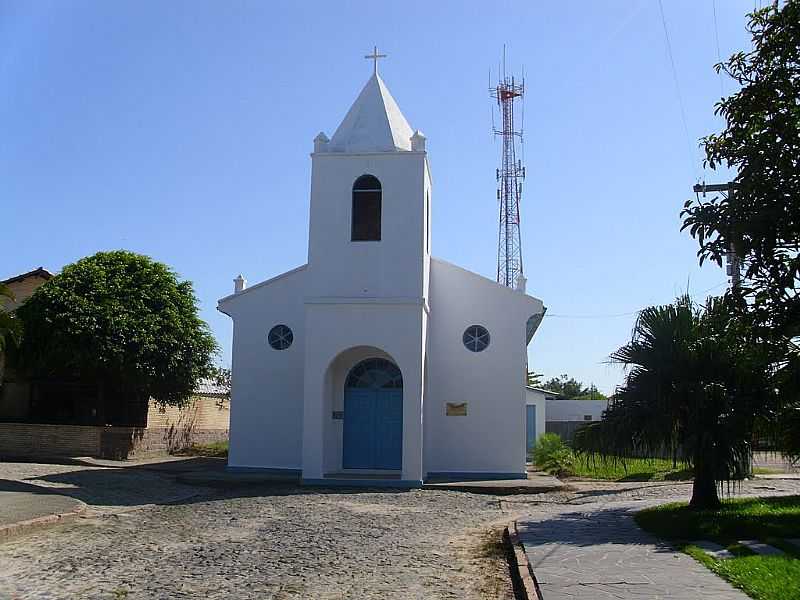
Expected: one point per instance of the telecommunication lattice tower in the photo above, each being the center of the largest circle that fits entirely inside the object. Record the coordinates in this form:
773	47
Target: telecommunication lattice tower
510	175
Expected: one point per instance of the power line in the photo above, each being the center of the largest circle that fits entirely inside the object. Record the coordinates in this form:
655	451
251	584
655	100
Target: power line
719	54
624	314
692	164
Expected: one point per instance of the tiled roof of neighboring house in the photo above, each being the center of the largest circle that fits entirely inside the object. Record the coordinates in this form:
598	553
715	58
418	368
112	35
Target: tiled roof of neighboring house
209	387
40	272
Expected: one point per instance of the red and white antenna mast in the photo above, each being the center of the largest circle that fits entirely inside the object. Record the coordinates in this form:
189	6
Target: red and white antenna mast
510	175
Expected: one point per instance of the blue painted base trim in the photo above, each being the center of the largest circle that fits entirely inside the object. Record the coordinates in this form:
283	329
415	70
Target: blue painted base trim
473	476
265	471
405	484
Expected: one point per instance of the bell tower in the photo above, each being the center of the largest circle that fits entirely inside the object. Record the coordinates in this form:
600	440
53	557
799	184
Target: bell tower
369	231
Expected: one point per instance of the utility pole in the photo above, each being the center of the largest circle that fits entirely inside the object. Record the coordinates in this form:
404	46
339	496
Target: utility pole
733	263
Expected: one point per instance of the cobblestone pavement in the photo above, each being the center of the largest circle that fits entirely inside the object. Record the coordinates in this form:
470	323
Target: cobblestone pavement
276	542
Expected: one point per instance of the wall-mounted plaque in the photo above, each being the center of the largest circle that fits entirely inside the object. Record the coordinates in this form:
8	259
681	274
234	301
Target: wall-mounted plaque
456	409
338	415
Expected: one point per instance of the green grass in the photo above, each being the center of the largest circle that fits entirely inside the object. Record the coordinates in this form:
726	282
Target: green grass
770	520
214	450
766	471
632	469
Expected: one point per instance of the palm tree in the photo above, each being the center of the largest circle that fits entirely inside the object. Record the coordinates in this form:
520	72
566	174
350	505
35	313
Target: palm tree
696	383
10	328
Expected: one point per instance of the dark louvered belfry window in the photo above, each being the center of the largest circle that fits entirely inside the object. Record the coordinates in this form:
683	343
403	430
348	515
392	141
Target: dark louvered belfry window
366	226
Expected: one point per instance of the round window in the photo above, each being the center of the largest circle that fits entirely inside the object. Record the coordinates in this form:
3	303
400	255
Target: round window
476	338
280	337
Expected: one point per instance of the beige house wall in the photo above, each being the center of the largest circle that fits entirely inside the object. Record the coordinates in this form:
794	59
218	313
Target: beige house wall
203	412
22	290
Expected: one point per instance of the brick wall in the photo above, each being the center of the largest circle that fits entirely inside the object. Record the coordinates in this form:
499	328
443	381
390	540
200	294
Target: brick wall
23	439
202	412
202	421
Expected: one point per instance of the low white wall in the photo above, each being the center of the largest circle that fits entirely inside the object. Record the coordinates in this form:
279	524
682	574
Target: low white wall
575	410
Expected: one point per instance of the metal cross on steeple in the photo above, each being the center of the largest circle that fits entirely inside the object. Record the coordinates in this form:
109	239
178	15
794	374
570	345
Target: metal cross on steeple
375	56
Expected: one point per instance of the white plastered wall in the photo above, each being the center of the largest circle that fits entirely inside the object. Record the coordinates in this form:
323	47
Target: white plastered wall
267	384
491	437
392	267
334	329
575	410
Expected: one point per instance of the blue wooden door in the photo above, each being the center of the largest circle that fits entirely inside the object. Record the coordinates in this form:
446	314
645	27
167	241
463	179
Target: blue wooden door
530	425
388	429
373	429
357	449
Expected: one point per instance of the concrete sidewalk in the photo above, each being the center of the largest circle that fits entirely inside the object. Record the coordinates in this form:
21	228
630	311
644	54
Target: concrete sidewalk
24	507
594	551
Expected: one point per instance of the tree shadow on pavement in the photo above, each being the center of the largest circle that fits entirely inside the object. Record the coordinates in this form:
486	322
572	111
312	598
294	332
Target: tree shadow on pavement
143	484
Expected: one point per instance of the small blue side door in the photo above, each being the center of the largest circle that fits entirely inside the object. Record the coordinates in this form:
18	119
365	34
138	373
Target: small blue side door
530	427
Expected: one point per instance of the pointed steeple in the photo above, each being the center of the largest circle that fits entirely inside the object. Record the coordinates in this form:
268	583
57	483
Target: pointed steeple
373	124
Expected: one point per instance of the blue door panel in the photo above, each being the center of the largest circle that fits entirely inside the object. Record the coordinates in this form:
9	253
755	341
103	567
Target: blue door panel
373	429
530	424
357	435
389	429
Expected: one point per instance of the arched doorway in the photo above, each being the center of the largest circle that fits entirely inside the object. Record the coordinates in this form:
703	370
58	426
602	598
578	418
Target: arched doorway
373	416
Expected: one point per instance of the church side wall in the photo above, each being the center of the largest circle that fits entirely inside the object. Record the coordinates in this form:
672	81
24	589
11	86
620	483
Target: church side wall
490	437
267	384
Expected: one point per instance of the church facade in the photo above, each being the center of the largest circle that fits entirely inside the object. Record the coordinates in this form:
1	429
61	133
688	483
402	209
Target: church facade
374	362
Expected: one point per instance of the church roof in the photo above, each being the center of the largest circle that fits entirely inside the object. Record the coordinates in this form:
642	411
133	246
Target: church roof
374	123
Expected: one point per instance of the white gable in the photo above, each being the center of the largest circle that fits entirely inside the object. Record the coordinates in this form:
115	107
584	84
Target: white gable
373	124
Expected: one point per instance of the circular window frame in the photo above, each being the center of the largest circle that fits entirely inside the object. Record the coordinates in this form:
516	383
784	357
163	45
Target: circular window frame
280	337
476	338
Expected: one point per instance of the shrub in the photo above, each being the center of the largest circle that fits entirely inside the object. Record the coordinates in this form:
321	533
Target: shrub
551	454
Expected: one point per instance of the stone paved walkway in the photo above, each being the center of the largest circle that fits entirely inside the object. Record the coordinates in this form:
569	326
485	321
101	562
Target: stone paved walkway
596	551
589	547
22	503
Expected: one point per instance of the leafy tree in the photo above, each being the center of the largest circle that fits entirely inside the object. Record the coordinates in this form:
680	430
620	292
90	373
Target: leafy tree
698	383
533	379
760	220
761	142
222	377
564	385
121	320
591	393
10	328
572	389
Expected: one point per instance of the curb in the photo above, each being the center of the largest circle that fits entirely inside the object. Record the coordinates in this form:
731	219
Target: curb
525	587
495	490
14	529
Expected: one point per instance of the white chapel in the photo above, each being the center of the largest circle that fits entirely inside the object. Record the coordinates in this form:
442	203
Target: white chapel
375	363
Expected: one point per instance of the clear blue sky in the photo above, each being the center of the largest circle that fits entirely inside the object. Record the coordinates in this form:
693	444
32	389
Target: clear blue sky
182	130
